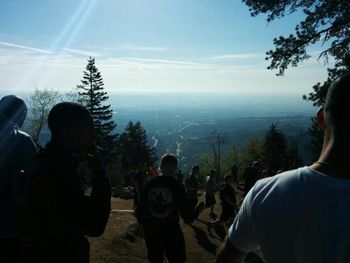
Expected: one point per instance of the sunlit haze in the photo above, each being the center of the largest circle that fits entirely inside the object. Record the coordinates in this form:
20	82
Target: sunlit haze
146	46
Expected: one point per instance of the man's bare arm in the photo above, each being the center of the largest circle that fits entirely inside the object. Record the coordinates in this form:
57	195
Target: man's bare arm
228	253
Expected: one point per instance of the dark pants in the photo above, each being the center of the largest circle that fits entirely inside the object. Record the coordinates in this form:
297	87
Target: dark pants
169	241
228	212
193	202
209	200
10	250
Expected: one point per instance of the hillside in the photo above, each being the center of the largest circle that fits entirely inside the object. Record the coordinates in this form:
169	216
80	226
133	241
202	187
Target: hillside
121	243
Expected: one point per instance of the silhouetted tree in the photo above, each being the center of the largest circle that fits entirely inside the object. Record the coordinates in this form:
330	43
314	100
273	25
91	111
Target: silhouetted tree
327	22
40	103
93	97
133	146
275	149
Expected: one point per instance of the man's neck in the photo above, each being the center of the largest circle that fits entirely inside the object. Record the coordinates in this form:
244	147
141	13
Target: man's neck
334	160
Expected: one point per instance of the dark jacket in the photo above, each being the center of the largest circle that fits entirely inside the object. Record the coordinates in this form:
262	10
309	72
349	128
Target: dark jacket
57	214
17	151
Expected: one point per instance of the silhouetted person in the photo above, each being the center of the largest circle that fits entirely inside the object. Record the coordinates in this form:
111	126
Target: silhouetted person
57	214
17	151
302	215
210	188
162	200
228	202
191	185
234	173
251	175
140	178
180	177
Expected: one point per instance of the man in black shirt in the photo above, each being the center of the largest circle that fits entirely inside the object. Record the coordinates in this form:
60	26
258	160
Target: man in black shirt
161	202
56	213
191	184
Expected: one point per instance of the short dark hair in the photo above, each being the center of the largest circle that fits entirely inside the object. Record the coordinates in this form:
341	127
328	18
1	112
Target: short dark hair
337	102
66	115
14	109
228	177
195	167
168	159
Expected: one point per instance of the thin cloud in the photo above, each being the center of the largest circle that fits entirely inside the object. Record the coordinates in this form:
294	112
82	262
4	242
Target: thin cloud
81	52
25	47
166	61
138	48
235	56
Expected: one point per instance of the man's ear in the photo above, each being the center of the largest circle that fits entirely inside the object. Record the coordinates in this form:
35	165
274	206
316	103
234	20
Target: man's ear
320	119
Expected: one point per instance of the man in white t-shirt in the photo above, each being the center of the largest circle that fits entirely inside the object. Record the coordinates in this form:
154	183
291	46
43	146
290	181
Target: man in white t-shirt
302	215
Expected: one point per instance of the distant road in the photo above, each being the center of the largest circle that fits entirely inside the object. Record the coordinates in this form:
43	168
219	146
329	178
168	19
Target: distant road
155	141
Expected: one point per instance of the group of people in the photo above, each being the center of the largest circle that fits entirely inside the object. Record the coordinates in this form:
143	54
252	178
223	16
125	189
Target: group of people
45	213
300	215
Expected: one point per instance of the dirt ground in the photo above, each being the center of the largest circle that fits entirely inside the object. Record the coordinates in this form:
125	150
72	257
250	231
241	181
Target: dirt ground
122	242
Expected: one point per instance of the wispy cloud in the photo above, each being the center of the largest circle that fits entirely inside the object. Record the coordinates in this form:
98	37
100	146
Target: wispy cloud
235	56
25	47
137	48
81	52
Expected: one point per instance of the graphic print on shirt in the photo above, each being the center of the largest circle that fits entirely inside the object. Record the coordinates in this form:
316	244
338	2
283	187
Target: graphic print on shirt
160	202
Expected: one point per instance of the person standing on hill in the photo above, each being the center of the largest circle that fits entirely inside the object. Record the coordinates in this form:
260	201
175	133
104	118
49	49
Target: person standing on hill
180	177
251	175
228	203
56	213
191	184
140	178
302	215
17	151
210	188
162	201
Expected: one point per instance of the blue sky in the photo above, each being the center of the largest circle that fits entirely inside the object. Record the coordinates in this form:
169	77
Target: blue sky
146	45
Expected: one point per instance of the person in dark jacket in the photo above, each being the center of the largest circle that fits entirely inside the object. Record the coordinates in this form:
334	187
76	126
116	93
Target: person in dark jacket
57	214
162	201
191	185
17	151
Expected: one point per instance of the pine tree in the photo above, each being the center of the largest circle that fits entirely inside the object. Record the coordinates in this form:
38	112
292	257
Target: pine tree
275	149
134	148
93	96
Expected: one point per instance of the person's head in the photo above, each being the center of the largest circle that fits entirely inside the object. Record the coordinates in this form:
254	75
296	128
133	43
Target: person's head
255	164
335	115
212	172
72	126
195	170
168	164
228	179
13	109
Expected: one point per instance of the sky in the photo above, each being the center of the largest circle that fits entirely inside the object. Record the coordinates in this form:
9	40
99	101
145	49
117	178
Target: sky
146	46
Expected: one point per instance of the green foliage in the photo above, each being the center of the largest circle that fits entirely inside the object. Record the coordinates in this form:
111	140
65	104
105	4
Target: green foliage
206	163
275	149
327	22
253	151
133	147
93	97
40	103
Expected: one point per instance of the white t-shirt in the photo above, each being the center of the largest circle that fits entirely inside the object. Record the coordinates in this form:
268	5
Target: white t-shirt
297	216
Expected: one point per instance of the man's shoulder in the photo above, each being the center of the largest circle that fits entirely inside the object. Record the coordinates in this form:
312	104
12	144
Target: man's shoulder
283	182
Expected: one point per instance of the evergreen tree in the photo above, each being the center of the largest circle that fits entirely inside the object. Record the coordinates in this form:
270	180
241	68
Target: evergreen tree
133	146
93	97
275	149
326	22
